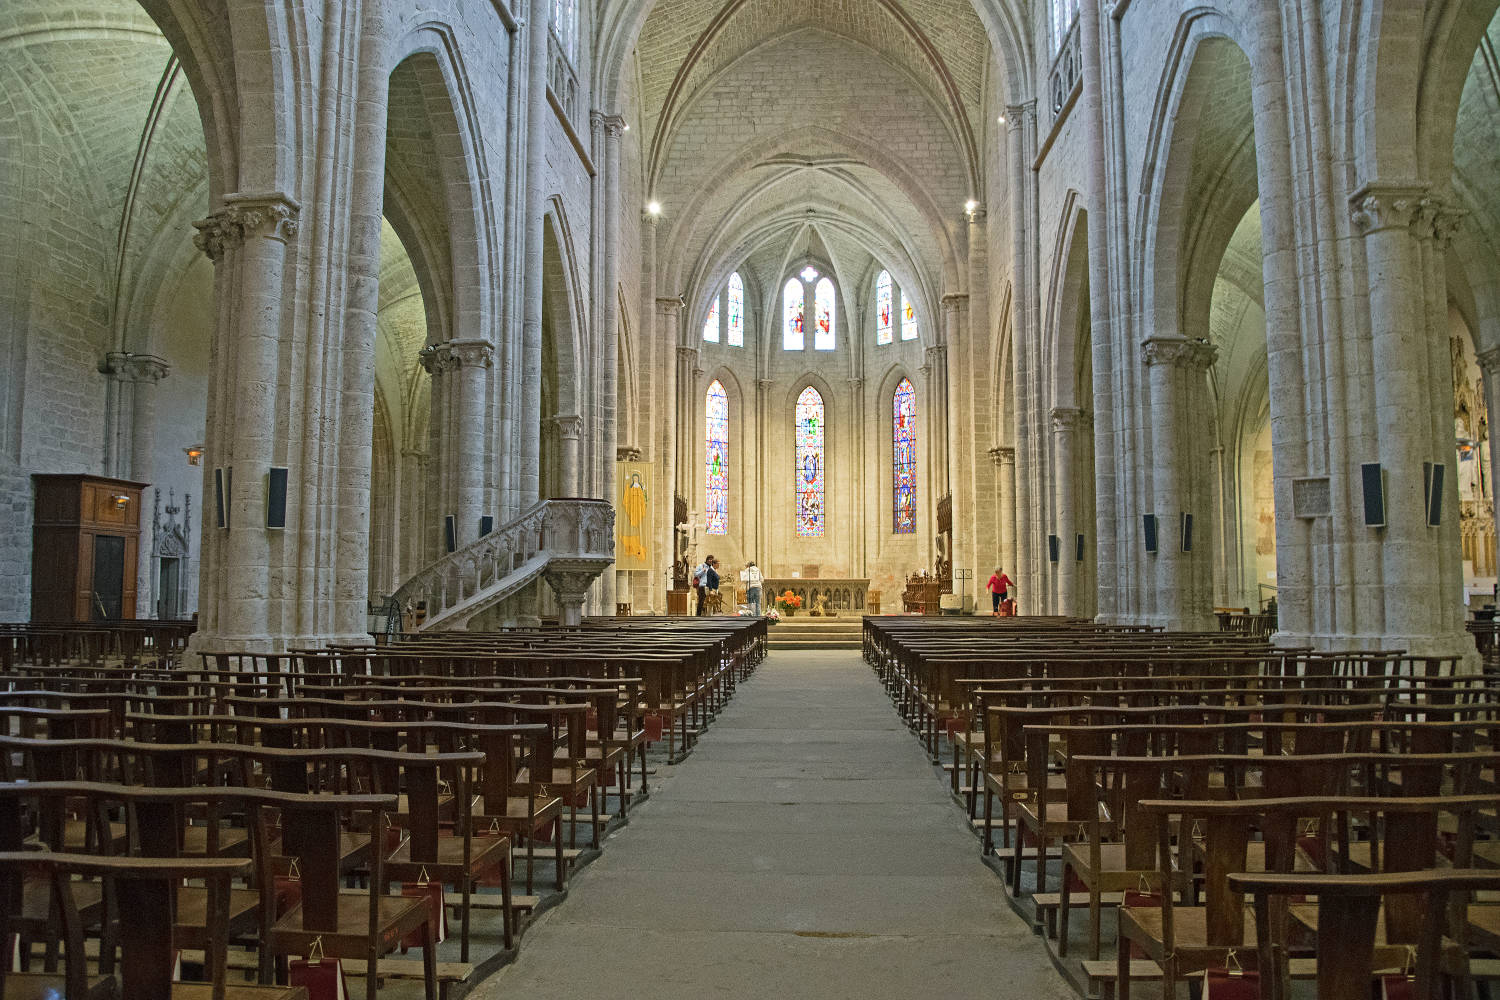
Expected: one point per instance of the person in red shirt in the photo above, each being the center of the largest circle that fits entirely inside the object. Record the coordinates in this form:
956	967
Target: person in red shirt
999	588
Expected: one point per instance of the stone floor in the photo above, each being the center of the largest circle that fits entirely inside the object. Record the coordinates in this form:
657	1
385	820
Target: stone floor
805	849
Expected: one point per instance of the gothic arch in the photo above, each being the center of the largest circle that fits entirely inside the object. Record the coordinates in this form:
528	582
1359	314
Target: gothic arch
1184	236
441	210
794	141
1068	307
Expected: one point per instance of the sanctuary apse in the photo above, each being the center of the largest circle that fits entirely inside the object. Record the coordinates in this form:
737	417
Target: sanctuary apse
508	307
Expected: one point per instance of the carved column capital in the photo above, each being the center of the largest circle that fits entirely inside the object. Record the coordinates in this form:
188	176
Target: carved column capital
936	355
147	368
1437	220
627	453
976	215
122	366
273	215
1179	351
954	301
414	454
569	426
438	359
764	383
613	126
1003	455
1377	207
472	353
669	306
1489	361
856	384
1066	418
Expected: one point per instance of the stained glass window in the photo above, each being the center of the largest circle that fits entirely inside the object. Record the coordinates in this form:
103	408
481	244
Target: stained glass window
711	325
908	318
883	308
904	458
811	486
736	311
716	492
823	335
792	298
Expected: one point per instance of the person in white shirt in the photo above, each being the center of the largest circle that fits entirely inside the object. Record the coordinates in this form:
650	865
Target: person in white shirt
753	580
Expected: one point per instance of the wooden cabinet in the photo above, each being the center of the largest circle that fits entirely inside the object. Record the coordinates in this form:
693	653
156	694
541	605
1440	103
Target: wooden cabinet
85	538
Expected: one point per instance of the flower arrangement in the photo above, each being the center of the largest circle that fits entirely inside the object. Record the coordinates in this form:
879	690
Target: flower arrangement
789	603
772	615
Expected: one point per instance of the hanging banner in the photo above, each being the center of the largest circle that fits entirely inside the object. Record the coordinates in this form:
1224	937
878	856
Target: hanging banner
635	509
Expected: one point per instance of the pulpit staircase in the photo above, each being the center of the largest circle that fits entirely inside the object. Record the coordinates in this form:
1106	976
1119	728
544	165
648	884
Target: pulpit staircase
567	542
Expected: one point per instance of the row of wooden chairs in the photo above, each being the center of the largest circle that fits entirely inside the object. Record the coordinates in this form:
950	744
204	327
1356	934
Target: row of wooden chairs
1168	777
431	761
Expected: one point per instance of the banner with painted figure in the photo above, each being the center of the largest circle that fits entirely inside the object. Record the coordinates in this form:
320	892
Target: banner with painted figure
634	509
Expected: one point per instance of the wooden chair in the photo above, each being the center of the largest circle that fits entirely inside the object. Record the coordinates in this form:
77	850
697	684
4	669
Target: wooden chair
339	924
1183	940
145	890
1353	910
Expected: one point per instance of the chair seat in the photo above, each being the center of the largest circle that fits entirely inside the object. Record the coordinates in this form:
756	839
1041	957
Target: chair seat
450	853
1143	924
88	897
397	916
192	914
205	991
75	834
50	986
232	842
1484	926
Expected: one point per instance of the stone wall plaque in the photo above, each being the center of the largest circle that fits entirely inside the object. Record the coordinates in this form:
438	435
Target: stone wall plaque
1312	496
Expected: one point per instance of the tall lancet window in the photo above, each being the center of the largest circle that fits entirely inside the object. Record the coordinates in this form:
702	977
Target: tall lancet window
811	482
883	328
711	325
823	335
904	459
908	318
792	304
736	317
716	491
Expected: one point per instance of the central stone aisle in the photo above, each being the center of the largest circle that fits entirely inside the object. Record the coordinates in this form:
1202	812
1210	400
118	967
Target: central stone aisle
804	849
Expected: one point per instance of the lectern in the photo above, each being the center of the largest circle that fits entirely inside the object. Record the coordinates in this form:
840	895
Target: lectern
85	537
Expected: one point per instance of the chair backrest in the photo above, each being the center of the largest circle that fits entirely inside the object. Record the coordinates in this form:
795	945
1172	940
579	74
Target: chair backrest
145	891
1348	914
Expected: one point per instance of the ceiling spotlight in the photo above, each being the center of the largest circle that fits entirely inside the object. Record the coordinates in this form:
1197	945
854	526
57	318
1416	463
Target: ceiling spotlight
970	205
1001	120
627	125
653	208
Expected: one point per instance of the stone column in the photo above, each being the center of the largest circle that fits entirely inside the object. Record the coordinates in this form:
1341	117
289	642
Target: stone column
1020	143
858	469
764	446
437	479
129	416
1176	370
687	363
538	114
1489	364
1065	500
569	428
1420	579
612	128
1005	462
471	362
414	514
247	241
